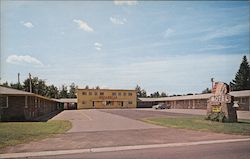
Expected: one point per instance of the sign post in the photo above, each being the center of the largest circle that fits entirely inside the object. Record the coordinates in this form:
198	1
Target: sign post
221	105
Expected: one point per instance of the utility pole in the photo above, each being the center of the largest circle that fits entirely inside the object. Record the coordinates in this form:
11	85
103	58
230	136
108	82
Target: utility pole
18	80
212	80
30	83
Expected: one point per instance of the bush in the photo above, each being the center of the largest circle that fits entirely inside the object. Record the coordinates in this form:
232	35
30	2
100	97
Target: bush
220	117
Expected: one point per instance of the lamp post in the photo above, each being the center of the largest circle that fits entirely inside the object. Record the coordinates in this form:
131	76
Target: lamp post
30	83
212	81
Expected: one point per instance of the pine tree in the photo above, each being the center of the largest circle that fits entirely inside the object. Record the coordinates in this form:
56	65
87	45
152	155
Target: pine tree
72	90
242	77
64	92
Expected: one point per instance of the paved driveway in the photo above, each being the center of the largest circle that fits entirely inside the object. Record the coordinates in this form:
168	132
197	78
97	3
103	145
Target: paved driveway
95	120
96	128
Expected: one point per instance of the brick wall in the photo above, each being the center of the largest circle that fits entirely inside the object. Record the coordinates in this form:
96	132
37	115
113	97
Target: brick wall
22	108
15	109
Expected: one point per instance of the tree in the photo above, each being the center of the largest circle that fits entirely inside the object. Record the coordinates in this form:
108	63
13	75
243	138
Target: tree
26	84
16	86
52	92
72	90
242	77
143	93
38	86
155	94
64	92
41	87
86	87
97	87
163	94
207	90
5	84
140	92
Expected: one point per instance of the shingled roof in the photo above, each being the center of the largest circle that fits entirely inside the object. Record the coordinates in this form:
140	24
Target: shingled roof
11	91
244	93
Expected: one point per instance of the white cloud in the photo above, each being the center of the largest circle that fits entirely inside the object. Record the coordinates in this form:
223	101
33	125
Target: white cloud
168	32
27	24
83	25
118	20
121	2
226	32
98	46
23	59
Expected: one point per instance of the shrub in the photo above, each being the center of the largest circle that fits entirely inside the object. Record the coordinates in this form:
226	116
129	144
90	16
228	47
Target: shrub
220	117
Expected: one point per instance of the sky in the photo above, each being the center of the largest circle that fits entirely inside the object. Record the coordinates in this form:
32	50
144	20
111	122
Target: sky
175	47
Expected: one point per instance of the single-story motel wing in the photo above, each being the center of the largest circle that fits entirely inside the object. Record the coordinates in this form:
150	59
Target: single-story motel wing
198	101
17	105
20	105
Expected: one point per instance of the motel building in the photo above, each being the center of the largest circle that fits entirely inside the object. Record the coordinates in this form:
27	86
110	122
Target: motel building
106	98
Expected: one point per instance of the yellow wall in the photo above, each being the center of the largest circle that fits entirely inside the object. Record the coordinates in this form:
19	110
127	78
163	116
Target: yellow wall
121	98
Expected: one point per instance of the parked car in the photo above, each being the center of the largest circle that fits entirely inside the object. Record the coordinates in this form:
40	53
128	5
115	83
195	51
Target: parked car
161	106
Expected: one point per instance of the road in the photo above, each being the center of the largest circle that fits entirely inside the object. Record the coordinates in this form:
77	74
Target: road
116	128
239	150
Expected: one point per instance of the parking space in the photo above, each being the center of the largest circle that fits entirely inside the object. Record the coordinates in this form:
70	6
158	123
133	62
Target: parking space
95	120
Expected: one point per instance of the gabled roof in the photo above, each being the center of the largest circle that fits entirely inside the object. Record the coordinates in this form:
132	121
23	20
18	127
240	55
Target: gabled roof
244	93
11	91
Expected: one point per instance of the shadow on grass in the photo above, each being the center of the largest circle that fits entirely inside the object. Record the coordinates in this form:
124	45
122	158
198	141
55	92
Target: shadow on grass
244	122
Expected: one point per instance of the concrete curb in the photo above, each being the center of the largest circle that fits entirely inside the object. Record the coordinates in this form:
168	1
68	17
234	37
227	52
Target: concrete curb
117	148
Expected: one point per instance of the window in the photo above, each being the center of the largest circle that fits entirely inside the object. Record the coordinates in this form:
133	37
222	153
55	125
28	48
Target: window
108	103
119	94
244	100
26	102
84	93
124	94
129	94
90	93
114	94
101	93
130	102
96	93
4	103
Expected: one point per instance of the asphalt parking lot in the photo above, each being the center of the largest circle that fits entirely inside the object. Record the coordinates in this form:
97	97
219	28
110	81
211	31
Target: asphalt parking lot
114	128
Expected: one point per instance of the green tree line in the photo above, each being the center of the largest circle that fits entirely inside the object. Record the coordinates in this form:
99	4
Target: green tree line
39	86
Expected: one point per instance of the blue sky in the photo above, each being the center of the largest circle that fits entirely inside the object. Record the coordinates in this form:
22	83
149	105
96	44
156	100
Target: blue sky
168	46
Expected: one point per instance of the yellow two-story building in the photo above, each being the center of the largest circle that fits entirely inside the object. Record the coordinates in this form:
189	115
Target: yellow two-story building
106	98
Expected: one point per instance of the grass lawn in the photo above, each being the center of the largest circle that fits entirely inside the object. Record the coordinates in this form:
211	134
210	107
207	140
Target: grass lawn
12	133
199	123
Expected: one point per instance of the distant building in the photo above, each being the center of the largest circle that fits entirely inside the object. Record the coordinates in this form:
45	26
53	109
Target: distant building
68	103
17	105
106	98
195	101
